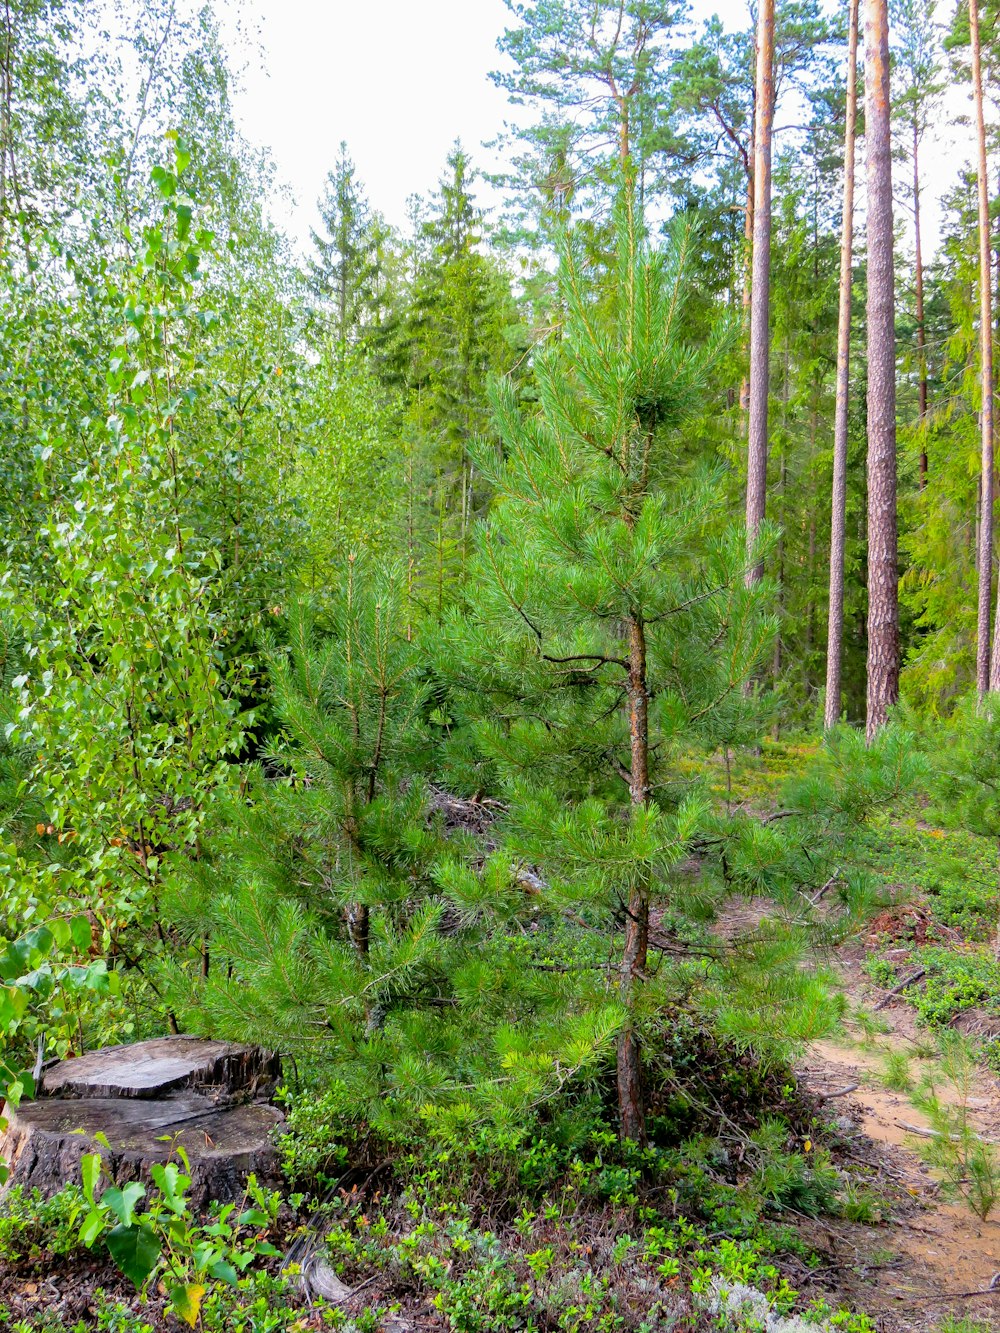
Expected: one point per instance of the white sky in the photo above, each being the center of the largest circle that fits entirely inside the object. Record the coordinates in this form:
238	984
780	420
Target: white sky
399	80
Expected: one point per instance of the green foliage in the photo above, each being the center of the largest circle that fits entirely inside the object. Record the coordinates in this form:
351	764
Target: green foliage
319	900
955	868
967	1163
151	1235
126	697
533	1259
47	983
314	1144
344	273
956	980
603	575
897	1075
881	971
599	76
165	1241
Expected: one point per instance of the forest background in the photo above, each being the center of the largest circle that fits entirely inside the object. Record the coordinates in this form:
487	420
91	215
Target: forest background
556	511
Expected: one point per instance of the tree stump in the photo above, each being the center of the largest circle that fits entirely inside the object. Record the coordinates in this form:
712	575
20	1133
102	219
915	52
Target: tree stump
207	1096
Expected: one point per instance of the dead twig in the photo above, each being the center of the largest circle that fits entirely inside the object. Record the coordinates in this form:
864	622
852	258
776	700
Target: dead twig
938	1134
898	990
841	1092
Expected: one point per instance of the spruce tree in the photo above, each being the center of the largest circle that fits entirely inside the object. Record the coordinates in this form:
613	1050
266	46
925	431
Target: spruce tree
610	625
456	332
345	274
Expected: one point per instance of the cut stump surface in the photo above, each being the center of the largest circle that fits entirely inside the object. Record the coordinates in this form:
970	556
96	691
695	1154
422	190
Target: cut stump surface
147	1099
155	1068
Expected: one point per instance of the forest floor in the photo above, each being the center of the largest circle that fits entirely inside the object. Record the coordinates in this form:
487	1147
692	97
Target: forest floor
929	1259
914	1259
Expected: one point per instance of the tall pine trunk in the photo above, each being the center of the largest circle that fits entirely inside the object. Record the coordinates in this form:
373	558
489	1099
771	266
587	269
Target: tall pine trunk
838	519
921	329
747	262
987	672
760	290
883	601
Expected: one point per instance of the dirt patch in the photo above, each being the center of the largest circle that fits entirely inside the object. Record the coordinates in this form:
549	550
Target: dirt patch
930	1259
905	921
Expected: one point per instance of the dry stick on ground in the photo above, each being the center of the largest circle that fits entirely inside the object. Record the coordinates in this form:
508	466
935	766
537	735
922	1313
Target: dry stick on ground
991	1290
939	1134
898	990
841	1092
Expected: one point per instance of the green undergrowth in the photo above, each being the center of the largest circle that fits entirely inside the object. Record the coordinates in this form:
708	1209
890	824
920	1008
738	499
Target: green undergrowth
748	779
952	870
956	980
566	1228
571	1230
555	1228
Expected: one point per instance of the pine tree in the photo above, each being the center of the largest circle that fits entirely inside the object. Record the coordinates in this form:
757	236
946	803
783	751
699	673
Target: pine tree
598	70
835	627
760	290
918	71
337	923
714	94
321	916
883	605
610	620
987	664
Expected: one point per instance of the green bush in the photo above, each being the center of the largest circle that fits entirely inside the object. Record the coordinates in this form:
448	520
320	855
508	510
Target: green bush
956	980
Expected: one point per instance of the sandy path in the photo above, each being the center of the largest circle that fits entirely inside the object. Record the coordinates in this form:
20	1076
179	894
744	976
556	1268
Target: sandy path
923	1264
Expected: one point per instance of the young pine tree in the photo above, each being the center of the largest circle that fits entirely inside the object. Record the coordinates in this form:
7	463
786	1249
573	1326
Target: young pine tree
610	624
332	925
316	902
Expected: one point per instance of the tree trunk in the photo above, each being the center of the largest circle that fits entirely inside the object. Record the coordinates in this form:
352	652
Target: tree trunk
760	290
883	603
782	479
921	330
136	1103
747	261
987	673
631	1106
838	517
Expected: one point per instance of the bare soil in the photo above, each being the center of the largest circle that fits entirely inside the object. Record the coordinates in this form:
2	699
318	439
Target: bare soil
930	1258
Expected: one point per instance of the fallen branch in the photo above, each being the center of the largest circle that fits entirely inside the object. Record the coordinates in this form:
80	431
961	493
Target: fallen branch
898	990
992	1290
841	1092
939	1134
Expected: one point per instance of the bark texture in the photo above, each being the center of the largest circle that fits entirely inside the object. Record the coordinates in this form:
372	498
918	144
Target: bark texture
987	671
208	1096
883	573
838	519
760	291
631	1105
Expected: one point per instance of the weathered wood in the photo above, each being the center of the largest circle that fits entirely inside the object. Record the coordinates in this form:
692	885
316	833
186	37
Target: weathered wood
164	1065
146	1100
